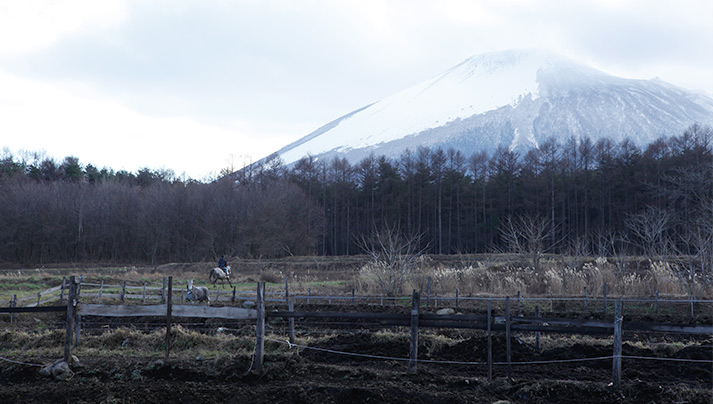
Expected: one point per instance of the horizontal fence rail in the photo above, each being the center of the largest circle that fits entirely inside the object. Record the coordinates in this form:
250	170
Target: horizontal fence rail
468	321
33	309
160	310
100	291
551	325
415	319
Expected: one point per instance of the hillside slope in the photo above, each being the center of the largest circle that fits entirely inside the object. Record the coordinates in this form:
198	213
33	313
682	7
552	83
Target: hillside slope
516	99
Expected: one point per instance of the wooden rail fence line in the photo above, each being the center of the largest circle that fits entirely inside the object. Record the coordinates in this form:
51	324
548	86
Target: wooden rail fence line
415	320
123	292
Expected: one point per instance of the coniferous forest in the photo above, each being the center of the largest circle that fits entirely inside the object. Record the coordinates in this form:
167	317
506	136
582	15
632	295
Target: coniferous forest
567	196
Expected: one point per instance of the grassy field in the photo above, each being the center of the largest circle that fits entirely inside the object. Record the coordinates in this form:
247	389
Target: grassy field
472	275
122	360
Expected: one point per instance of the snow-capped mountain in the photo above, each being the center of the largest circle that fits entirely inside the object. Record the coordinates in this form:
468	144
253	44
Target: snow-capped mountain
513	98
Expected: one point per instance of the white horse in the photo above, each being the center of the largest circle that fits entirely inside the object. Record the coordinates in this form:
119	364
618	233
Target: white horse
197	294
217	274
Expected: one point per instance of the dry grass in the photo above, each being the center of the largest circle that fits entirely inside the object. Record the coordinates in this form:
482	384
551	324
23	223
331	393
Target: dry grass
506	276
125	340
473	275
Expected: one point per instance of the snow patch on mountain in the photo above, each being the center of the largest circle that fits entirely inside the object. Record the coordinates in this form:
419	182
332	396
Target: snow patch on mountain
515	99
477	85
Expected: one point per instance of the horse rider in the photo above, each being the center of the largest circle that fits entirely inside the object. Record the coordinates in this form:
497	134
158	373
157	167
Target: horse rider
223	264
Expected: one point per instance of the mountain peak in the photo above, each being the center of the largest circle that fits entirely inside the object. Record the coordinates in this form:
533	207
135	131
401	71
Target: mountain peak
515	98
494	61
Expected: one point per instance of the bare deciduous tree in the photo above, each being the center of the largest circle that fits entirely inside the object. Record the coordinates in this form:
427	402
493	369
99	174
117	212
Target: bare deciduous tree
692	256
649	229
528	235
393	257
612	244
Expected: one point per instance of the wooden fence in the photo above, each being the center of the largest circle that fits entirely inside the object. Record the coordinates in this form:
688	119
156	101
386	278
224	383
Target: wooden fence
415	320
96	292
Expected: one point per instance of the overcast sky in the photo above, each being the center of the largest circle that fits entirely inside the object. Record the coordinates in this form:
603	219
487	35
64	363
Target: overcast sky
198	86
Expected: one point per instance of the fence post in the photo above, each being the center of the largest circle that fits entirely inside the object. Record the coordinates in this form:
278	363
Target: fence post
144	297
507	337
551	299
353	299
585	298
168	315
518	301
457	292
71	302
61	290
413	350
163	291
428	292
232	300
604	309
13	303
287	290
123	291
616	365
99	295
309	293
291	321
656	304
260	327
77	317
490	344
39	296
692	300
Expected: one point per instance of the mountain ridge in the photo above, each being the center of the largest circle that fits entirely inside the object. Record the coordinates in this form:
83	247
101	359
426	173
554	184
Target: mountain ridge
514	98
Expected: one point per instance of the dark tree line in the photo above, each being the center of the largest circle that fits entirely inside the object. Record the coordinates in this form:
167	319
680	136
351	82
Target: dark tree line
601	195
587	191
53	212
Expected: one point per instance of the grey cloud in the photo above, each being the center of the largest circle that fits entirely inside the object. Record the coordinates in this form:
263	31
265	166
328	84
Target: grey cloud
221	59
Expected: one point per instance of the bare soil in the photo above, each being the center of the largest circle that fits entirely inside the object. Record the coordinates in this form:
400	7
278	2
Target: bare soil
318	375
322	379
